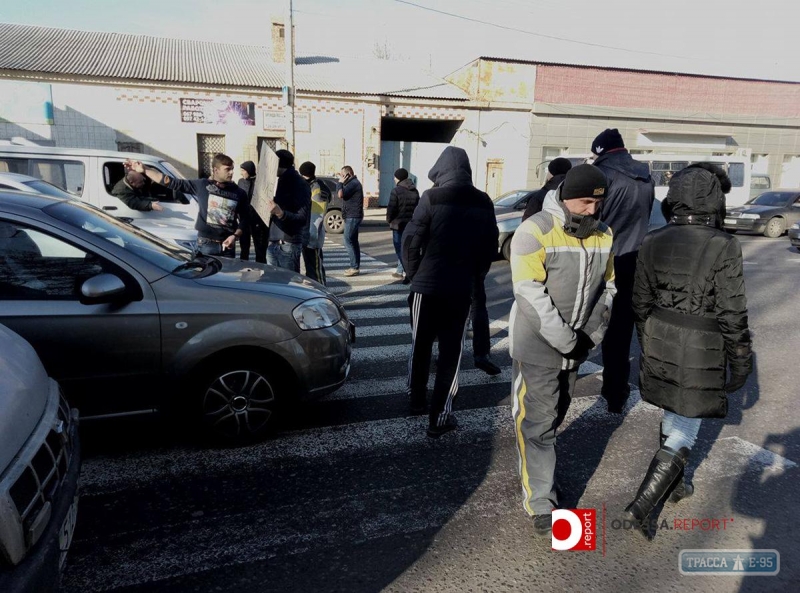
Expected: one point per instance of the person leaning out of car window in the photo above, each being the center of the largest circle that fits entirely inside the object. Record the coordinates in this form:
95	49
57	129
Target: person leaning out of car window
132	191
223	207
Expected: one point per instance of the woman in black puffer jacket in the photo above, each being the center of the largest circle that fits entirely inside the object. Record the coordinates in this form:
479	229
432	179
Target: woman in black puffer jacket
691	317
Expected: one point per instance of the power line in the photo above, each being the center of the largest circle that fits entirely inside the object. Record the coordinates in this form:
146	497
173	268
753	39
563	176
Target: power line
533	33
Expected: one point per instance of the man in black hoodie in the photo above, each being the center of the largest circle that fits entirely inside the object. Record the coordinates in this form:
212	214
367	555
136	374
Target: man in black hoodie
556	172
626	210
288	227
451	240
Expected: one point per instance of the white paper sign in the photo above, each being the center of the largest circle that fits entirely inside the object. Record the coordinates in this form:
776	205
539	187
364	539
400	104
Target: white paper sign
263	199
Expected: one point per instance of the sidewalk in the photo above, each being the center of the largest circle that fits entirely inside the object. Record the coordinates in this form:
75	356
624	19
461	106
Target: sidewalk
375	216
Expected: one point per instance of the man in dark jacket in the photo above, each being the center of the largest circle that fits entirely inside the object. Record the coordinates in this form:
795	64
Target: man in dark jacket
626	211
556	172
691	316
402	202
131	190
256	230
351	193
451	239
288	227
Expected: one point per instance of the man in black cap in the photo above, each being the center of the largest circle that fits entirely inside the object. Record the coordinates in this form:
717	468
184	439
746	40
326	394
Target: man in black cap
626	210
562	270
402	202
556	172
288	227
256	230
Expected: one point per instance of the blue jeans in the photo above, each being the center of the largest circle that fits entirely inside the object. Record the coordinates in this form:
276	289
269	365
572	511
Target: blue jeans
681	431
351	241
211	247
398	249
284	255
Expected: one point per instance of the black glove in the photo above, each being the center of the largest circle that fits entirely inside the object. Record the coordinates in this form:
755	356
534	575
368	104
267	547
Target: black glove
735	383
582	346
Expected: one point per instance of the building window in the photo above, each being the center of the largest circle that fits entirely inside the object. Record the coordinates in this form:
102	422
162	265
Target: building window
271	142
207	146
129	147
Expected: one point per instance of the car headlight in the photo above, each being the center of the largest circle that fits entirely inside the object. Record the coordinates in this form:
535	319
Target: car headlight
796	225
751	216
316	314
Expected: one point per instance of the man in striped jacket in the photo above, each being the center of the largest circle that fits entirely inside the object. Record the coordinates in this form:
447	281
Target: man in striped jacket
563	274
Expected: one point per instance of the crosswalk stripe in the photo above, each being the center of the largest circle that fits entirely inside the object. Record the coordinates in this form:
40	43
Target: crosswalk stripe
401	351
345	290
373	299
389	312
395	329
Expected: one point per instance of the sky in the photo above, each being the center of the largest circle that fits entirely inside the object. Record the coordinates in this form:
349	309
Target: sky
751	39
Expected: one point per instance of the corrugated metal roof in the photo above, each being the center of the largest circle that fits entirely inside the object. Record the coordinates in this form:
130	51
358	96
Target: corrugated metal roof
145	58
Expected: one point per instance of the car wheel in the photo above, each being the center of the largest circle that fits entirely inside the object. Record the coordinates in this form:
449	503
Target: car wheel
730	231
506	250
237	402
334	223
775	228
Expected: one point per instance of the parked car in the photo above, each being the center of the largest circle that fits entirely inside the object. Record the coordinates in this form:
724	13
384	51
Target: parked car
759	184
39	465
163	229
770	213
334	223
90	175
508	210
794	235
128	322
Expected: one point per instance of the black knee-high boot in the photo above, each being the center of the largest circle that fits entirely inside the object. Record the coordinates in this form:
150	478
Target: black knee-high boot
682	489
662	474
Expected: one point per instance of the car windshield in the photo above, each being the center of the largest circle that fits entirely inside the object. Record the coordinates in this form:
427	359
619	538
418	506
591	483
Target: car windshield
508	200
172	170
167	256
772	198
48	189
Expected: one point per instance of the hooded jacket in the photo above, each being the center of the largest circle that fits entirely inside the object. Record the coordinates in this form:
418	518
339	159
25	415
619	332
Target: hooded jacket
320	196
293	195
689	302
629	200
561	284
452	236
402	202
536	201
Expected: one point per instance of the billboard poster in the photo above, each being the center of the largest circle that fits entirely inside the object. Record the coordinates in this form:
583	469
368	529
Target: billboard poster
218	111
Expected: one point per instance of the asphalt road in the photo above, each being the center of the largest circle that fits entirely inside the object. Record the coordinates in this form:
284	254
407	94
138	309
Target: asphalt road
351	496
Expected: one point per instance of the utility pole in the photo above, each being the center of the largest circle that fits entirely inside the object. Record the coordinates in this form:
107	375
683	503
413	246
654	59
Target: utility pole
289	94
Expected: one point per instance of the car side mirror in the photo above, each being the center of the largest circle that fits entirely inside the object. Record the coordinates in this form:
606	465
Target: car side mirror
103	288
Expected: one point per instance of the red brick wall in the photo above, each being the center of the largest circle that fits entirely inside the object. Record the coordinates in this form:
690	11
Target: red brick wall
667	92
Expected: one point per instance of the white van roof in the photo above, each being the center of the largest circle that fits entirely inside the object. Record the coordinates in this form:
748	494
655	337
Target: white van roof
57	151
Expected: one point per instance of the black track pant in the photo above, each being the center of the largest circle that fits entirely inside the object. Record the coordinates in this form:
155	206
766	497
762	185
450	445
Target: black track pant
443	319
480	318
617	341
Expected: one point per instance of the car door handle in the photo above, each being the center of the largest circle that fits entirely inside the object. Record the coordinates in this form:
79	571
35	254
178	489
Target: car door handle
109	207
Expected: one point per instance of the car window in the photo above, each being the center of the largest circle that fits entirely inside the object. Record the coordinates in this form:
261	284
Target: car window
114	171
771	198
68	175
510	199
13	165
759	183
35	265
662	171
165	255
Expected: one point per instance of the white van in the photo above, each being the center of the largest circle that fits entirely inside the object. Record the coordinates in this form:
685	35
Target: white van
91	175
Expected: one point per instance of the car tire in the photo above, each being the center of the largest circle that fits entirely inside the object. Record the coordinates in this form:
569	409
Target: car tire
730	231
334	223
236	402
775	228
506	249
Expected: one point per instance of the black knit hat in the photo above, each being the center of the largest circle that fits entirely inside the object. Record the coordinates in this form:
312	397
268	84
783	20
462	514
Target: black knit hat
308	169
285	159
250	167
401	174
559	166
608	139
584	181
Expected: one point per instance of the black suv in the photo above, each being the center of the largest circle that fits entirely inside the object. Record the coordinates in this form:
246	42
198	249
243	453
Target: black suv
334	223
